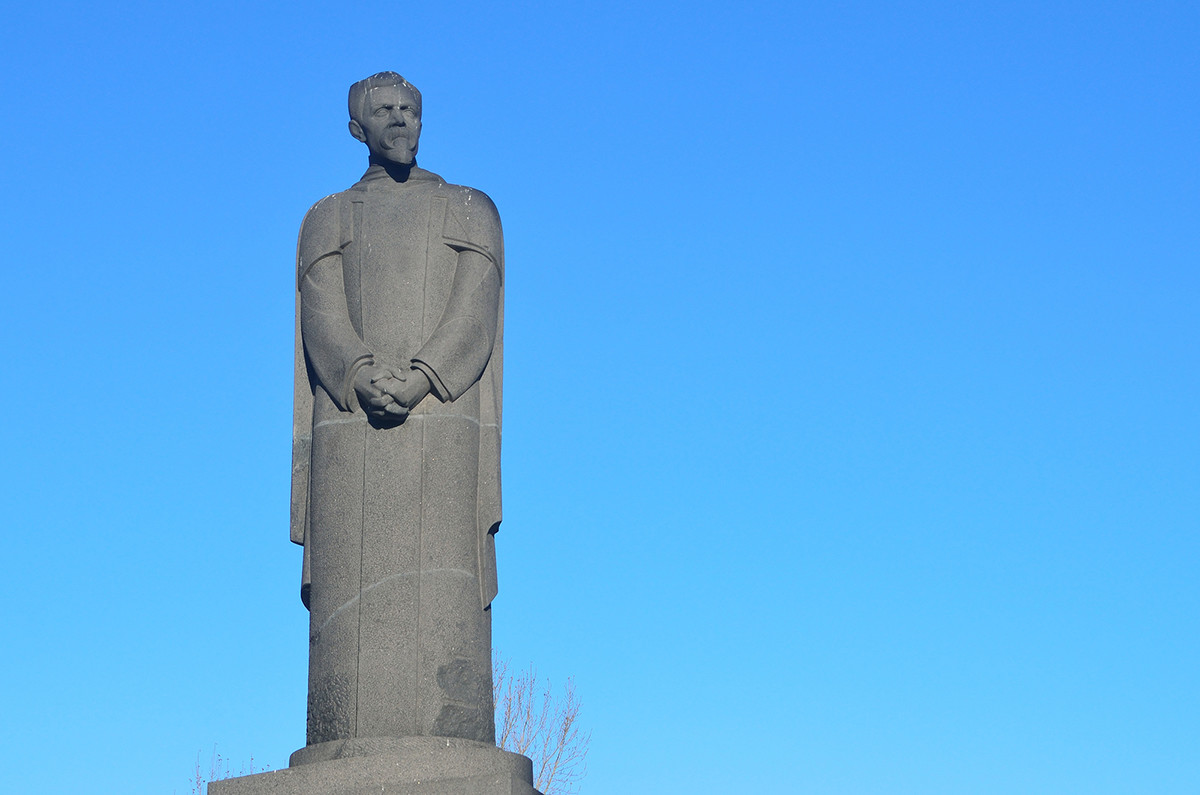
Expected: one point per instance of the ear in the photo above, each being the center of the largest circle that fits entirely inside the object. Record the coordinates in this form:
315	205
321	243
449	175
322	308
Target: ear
357	131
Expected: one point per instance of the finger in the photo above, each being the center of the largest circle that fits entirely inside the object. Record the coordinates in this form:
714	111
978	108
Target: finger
389	385
396	409
381	401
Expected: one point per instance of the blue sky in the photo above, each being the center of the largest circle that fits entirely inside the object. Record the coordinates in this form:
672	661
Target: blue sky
851	378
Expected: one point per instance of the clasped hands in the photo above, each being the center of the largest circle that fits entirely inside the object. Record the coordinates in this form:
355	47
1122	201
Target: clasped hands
389	393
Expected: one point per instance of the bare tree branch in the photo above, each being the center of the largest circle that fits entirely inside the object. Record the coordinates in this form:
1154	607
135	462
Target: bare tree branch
532	721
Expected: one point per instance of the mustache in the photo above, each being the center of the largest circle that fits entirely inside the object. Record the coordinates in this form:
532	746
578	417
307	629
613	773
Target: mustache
395	134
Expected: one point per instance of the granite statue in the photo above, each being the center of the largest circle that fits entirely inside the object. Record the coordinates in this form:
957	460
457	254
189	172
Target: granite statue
396	471
396	474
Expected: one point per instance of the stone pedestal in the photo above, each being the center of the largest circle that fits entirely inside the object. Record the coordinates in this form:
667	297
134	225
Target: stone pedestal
392	766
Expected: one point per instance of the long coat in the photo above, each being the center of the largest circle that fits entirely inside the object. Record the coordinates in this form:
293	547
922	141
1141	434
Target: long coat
398	522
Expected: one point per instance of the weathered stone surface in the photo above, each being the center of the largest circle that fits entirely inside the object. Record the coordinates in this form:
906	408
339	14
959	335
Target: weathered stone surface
392	766
396	457
396	475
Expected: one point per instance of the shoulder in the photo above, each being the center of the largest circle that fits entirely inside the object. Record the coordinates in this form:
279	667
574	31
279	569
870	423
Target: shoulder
321	230
472	223
474	209
324	219
469	199
465	200
323	211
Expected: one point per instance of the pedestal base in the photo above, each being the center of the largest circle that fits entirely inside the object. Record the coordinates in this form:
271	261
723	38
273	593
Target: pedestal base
392	766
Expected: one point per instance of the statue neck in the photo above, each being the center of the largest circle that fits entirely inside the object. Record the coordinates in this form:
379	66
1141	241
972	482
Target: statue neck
378	167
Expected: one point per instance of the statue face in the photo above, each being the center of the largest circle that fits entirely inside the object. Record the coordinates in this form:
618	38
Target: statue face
391	125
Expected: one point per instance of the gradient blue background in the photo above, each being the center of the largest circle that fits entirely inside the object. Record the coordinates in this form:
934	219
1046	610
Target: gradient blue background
851	379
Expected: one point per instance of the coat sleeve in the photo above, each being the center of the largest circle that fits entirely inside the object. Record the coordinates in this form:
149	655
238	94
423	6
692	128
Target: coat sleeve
333	347
455	355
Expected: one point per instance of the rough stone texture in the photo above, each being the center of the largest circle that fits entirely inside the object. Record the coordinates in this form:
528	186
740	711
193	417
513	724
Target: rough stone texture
396	456
392	766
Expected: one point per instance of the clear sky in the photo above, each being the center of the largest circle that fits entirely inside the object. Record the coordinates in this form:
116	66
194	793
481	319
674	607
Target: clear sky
851	421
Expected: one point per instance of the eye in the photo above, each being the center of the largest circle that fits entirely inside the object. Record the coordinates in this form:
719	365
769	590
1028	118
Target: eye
380	112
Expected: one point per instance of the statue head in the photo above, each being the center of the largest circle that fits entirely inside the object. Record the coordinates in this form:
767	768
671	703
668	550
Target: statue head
385	114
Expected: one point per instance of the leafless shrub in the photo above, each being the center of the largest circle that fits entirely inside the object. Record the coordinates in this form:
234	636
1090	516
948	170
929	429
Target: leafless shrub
531	720
220	768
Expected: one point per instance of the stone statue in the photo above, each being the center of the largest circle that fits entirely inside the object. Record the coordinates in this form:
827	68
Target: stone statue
396	469
396	475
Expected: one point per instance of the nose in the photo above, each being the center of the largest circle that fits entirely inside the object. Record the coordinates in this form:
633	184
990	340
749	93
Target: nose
398	116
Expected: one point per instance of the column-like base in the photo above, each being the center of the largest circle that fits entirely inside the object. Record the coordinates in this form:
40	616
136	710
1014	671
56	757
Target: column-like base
392	766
